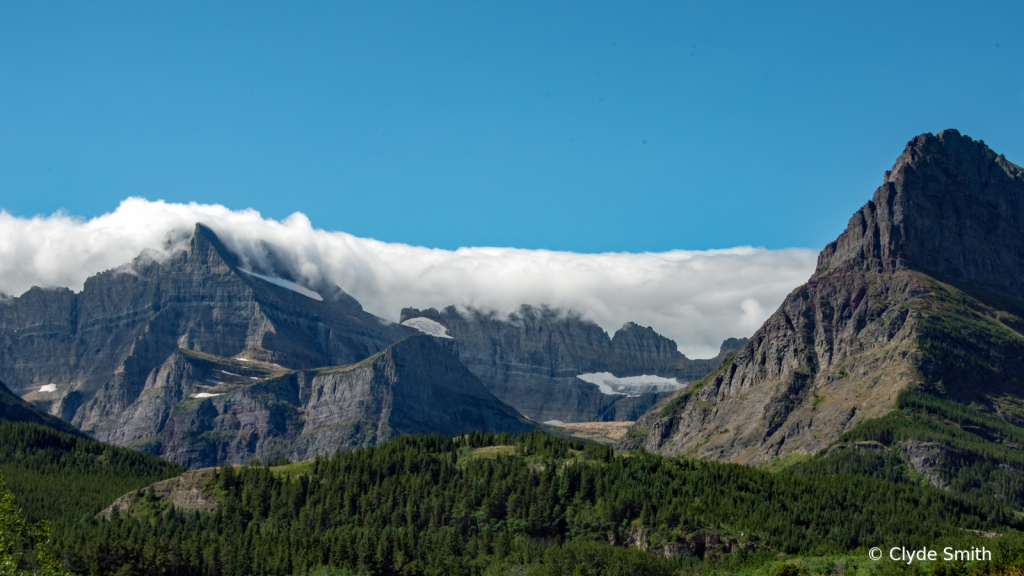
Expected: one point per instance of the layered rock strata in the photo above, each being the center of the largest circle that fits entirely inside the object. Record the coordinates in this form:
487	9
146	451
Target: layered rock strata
928	267
86	357
531	359
203	410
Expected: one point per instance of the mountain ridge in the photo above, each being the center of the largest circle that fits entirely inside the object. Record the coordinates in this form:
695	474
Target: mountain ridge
98	346
128	360
203	410
530	359
871	320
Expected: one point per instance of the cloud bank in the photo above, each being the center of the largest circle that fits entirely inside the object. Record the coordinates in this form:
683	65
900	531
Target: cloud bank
697	298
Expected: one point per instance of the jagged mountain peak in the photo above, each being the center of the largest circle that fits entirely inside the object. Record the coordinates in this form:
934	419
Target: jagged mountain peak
950	207
893	306
97	347
209	248
634	330
730	344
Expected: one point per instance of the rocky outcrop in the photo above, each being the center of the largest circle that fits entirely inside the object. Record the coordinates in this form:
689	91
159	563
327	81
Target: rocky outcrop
187	493
931	459
87	357
531	359
202	410
841	347
703	545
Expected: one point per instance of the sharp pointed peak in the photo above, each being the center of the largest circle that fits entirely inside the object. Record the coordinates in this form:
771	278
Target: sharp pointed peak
205	243
949	206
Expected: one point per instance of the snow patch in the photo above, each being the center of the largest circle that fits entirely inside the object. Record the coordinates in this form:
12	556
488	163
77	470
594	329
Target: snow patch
428	326
554	422
289	285
243	359
205	395
48	388
231	373
630	385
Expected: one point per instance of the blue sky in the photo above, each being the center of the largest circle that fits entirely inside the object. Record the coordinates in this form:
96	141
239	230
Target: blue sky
587	127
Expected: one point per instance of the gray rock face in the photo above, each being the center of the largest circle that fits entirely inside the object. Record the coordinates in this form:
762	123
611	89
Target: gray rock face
929	459
841	347
950	207
202	410
188	493
98	347
530	360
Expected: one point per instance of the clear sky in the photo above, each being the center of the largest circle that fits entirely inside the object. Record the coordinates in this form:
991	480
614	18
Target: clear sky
588	126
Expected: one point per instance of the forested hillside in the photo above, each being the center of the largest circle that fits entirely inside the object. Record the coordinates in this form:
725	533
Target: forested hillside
63	477
500	504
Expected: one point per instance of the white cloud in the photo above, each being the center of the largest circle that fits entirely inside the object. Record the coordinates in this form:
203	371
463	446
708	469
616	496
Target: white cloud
753	314
697	298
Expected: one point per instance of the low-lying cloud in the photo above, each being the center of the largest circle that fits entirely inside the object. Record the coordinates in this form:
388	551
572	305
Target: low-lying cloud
697	298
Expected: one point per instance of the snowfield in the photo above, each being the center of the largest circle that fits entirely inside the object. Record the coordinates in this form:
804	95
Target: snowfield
630	385
289	285
428	326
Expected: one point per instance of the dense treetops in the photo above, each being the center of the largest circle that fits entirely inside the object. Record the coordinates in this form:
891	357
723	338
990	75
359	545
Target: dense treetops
440	505
57	476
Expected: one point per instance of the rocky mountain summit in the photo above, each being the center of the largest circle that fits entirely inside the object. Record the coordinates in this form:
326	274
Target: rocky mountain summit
922	292
103	359
533	360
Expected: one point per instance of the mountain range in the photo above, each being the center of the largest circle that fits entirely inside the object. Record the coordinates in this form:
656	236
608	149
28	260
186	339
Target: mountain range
913	314
881	404
192	356
544	361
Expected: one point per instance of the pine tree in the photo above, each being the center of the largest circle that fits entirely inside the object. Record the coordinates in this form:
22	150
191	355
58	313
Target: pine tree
22	544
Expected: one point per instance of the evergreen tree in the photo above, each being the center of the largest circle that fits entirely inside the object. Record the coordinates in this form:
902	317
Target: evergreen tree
24	548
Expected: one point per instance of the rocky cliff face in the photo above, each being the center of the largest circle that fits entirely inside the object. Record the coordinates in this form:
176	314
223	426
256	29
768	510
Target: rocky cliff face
197	360
204	410
950	207
924	271
87	357
531	360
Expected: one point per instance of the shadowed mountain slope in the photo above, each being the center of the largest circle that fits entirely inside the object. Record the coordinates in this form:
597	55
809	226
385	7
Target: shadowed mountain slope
57	473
